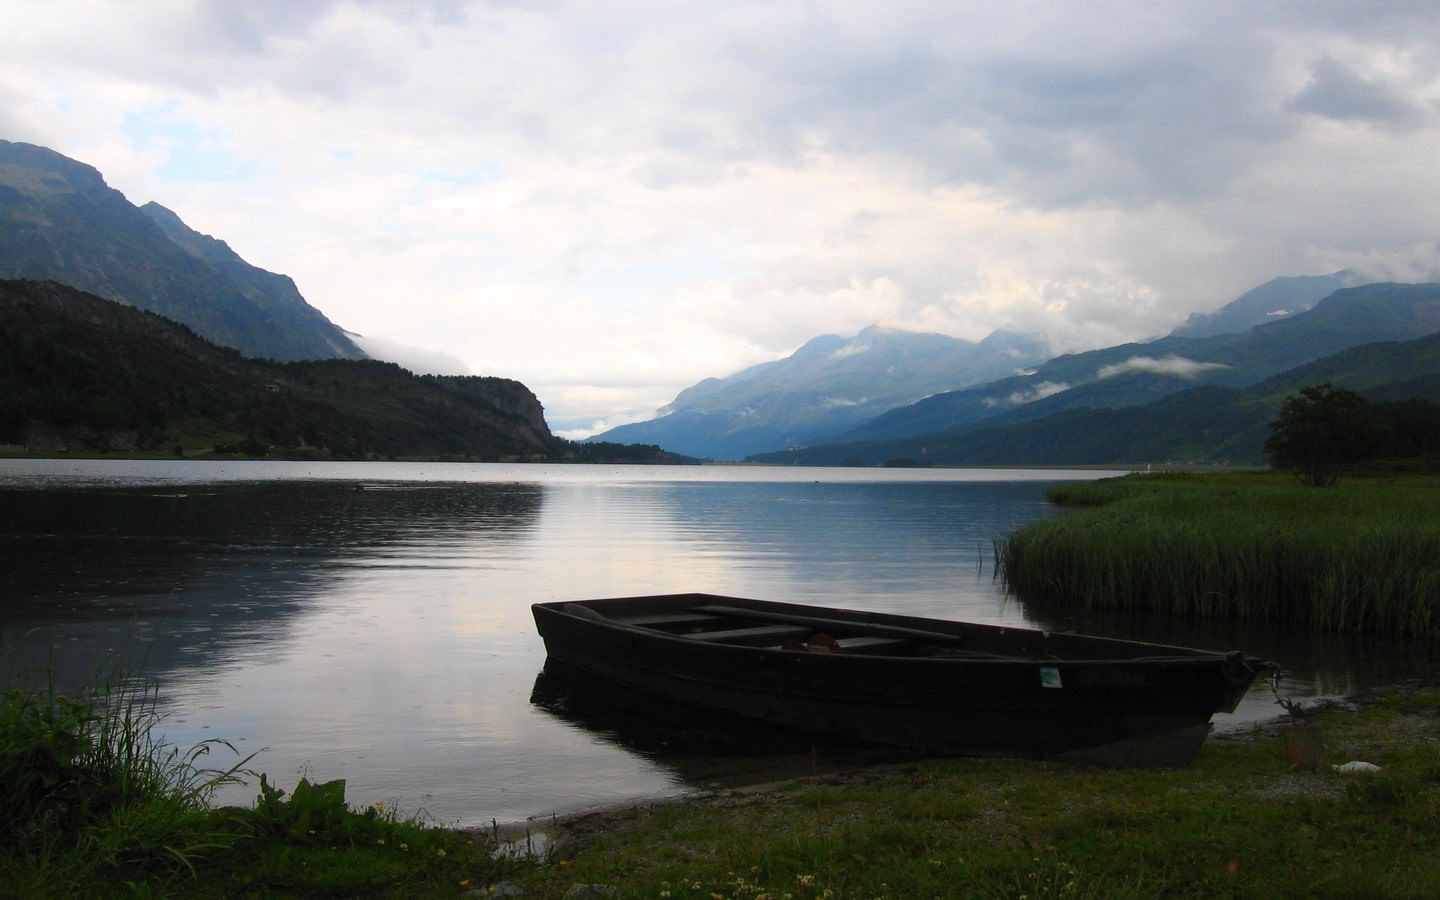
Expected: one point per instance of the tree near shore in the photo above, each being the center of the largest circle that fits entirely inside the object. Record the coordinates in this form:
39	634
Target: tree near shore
1320	431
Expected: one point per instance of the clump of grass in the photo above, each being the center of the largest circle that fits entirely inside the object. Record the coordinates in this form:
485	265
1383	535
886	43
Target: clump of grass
312	843
87	785
94	803
1362	557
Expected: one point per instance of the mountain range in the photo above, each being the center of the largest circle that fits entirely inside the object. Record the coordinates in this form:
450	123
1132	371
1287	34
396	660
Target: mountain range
1204	399
1272	301
829	386
888	394
1205	391
123	330
1136	374
60	221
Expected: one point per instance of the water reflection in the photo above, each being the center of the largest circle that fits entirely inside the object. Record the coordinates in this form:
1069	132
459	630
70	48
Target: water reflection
183	576
924	547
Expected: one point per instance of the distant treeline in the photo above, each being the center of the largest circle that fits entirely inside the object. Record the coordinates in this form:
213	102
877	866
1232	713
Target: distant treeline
1403	429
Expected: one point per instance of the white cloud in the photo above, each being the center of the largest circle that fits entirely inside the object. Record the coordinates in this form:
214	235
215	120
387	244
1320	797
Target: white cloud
1035	392
420	360
1178	366
850	350
612	201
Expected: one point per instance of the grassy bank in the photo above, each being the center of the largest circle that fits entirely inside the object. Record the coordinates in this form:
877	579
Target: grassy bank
95	808
1241	822
1360	557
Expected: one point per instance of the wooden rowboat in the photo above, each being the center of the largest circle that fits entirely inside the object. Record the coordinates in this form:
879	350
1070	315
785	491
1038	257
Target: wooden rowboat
930	686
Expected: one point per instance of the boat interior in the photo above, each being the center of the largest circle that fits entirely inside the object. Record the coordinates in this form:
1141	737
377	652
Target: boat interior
719	623
713	619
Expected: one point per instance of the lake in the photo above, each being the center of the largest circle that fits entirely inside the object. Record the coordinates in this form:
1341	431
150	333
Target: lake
371	621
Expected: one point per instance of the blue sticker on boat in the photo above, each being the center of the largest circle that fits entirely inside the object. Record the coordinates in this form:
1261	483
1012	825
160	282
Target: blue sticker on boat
1050	677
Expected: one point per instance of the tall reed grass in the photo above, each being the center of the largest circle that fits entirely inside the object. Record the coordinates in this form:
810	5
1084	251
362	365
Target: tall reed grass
1360	557
87	785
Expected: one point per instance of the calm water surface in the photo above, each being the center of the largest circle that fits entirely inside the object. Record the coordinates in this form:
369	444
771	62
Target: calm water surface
371	621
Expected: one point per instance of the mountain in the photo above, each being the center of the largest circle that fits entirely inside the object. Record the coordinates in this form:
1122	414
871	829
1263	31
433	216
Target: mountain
829	385
1137	374
59	221
1276	299
1198	424
1203	424
79	373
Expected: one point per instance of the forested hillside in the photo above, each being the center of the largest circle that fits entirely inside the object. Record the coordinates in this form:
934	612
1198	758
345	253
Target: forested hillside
81	374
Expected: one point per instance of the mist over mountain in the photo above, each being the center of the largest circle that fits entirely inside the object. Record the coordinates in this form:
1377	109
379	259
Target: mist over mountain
829	385
60	221
1191	399
1141	373
1276	299
883	386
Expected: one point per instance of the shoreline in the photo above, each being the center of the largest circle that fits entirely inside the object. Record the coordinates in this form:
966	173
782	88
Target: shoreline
547	832
1241	820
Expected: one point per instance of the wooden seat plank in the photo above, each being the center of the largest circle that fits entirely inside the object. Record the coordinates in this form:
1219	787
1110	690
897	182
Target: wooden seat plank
871	644
759	634
662	620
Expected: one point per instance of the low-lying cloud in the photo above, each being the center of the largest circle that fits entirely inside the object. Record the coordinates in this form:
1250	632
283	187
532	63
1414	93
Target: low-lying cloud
1030	395
1177	366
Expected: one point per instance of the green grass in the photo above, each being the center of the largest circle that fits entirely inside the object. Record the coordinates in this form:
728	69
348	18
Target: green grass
1239	823
94	804
1360	557
86	787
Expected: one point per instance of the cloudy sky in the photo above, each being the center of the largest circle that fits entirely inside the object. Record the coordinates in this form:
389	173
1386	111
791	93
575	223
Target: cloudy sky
612	200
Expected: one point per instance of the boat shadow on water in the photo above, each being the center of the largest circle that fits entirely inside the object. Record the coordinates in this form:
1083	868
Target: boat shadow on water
702	748
657	729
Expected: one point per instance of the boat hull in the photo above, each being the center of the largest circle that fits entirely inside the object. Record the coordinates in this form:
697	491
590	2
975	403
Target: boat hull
1004	692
